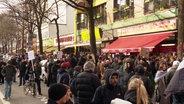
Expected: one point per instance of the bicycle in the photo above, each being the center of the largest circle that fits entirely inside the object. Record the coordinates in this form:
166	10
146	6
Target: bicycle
30	85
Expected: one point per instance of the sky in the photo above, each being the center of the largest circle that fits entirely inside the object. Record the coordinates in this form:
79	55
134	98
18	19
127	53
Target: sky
3	8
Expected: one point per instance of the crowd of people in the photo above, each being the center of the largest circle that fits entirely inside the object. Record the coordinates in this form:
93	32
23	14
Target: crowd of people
131	79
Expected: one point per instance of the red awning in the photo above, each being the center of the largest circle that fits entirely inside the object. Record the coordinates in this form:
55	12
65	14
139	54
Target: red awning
135	43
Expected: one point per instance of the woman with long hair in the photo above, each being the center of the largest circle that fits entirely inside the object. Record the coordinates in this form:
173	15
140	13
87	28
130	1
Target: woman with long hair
136	92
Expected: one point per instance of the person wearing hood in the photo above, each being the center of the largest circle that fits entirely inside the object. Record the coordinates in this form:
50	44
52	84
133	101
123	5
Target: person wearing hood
86	83
63	76
147	82
110	90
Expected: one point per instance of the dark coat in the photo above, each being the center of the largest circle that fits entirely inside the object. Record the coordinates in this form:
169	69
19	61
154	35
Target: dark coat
54	72
131	96
176	84
161	86
51	102
105	93
86	84
147	83
23	68
73	83
9	72
37	71
63	77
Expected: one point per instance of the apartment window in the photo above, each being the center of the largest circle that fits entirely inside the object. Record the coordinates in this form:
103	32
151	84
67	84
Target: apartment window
158	5
82	21
148	6
123	9
100	15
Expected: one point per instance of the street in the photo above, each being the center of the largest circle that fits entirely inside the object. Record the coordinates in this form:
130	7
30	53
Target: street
18	96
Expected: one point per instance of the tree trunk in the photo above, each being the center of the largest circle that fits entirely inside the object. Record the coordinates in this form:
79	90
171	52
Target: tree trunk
22	51
91	31
57	33
16	45
11	45
180	28
40	39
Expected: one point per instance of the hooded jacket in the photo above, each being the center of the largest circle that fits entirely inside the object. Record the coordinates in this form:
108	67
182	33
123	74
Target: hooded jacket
107	92
63	76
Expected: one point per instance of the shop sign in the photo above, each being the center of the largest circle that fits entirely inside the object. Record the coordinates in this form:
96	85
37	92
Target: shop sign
107	35
85	35
65	40
148	27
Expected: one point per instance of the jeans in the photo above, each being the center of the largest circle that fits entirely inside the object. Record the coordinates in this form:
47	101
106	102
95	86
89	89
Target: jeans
38	85
22	79
7	89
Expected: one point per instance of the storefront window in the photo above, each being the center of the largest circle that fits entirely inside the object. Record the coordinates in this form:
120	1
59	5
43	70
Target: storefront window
123	9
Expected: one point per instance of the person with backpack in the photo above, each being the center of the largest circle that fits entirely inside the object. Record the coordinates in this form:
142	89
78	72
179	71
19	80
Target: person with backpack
63	76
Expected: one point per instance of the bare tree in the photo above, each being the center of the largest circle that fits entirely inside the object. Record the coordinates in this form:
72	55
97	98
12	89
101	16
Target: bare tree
8	32
54	15
88	8
32	12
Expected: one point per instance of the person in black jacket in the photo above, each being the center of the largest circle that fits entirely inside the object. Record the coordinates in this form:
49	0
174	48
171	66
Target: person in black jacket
8	72
86	83
37	72
22	74
110	90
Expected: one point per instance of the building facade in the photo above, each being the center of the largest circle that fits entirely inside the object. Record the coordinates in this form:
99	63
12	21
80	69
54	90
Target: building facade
66	28
116	19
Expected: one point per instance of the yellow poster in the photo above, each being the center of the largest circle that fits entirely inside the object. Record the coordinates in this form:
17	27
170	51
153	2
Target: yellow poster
85	35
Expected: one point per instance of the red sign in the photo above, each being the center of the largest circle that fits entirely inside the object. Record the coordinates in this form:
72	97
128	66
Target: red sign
65	39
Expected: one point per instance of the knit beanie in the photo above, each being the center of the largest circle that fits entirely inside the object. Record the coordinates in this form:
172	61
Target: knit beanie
57	91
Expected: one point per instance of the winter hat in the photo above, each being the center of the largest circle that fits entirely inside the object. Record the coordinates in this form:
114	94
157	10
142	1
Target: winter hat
67	64
63	65
89	66
57	91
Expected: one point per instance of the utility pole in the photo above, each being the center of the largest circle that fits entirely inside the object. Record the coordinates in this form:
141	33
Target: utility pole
180	29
